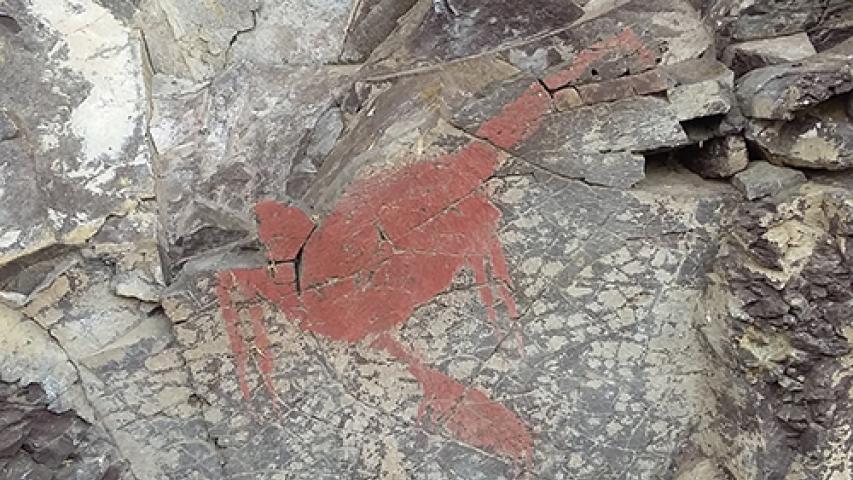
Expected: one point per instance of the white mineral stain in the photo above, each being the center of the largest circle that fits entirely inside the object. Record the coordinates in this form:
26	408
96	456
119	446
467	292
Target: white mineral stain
9	238
107	55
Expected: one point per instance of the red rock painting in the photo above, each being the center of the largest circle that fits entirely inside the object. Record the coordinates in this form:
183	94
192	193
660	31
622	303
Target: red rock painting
626	44
392	243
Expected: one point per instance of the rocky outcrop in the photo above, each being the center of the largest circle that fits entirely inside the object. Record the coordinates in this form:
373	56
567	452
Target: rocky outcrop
746	56
781	315
762	179
778	92
36	443
433	239
827	22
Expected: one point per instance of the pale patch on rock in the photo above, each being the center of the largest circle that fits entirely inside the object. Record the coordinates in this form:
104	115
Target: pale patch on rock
108	56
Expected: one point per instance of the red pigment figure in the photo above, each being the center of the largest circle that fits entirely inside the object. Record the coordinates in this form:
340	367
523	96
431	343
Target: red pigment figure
392	243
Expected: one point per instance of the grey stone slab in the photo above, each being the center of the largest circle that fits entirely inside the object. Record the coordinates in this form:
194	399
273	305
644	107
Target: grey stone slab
193	38
294	32
746	56
228	143
698	100
762	179
601	143
80	108
592	335
370	24
777	92
427	37
818	138
684	37
826	22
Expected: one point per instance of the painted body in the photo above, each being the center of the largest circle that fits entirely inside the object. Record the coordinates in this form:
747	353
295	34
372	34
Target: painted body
392	243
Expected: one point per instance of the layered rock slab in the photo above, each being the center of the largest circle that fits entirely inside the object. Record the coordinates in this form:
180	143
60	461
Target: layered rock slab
817	138
79	111
222	147
778	92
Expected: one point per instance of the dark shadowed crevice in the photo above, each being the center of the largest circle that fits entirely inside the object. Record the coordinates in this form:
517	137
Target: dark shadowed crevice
9	24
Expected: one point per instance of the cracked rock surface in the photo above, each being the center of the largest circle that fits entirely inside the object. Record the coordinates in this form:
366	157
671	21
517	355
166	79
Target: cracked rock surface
417	239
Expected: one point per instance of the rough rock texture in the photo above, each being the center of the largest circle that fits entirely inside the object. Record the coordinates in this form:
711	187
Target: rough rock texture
371	23
718	158
424	239
777	92
762	179
820	137
827	22
223	145
746	56
785	271
36	443
79	107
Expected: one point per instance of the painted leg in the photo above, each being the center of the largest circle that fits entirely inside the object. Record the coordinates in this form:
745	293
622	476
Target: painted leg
467	413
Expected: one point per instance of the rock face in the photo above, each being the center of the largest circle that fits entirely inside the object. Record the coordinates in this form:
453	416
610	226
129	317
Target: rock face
746	56
719	157
820	137
425	239
79	108
777	92
786	272
762	179
39	444
827	22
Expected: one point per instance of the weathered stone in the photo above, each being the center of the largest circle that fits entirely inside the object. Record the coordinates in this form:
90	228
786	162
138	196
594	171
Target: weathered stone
203	142
606	91
623	87
370	24
440	264
80	156
782	277
293	32
134	286
8	130
602	144
650	82
826	21
699	70
609	49
817	138
47	445
701	469
746	56
426	37
520	93
192	38
699	88
698	100
393	127
718	157
567	99
835	26
762	179
778	91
